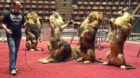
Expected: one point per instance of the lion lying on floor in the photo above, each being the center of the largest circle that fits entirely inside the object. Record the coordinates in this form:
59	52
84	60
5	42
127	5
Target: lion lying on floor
87	32
60	51
119	30
33	32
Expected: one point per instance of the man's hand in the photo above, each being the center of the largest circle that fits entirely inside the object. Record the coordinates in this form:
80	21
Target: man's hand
8	31
26	24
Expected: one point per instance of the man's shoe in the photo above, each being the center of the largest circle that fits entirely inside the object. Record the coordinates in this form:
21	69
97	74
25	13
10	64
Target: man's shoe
13	72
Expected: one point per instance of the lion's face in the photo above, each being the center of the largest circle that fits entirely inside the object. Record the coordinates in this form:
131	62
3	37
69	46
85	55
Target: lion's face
33	18
56	14
95	16
125	20
121	13
54	44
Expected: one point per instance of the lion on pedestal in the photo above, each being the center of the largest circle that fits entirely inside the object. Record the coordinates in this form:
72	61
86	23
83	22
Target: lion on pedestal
33	32
87	33
119	30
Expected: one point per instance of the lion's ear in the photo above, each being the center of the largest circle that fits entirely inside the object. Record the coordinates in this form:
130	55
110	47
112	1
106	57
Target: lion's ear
100	16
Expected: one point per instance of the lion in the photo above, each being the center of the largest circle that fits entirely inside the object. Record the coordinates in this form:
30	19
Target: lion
33	32
57	25
87	32
60	51
119	30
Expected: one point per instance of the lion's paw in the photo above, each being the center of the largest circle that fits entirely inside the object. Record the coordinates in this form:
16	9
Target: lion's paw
122	67
87	62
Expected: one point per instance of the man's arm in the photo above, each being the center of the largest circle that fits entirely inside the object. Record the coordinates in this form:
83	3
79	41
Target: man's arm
5	21
6	29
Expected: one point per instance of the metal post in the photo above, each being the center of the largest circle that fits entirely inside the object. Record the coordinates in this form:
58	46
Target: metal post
138	53
3	36
129	5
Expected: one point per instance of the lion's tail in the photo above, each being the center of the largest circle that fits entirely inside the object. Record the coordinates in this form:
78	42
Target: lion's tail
99	60
130	66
